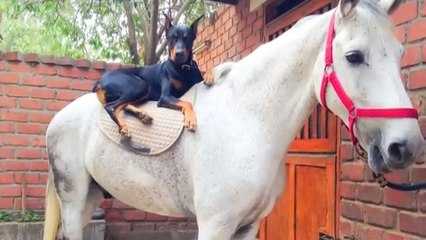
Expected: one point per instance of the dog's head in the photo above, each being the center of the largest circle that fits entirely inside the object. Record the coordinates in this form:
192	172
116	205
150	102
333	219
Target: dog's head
180	40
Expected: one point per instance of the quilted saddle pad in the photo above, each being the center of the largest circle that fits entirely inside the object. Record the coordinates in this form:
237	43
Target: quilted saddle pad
155	138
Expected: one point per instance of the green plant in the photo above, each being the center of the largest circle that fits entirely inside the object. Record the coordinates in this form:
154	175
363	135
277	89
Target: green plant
28	216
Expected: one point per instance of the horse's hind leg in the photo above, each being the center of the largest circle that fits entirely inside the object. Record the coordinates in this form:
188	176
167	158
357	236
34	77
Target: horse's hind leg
214	229
248	232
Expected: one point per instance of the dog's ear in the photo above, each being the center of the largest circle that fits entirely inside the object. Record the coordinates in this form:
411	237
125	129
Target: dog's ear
168	23
194	25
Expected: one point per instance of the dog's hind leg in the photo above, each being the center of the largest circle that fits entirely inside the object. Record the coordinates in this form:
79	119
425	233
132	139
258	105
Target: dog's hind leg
114	109
142	115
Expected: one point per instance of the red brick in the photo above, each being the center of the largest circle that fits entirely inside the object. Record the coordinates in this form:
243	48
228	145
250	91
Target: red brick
346	228
16	165
351	210
59	83
65	61
35	191
68	95
412	223
405	200
113	215
13	116
43	178
401	176
31	104
120	205
347	190
30	203
393	236
404	13
411	56
353	171
369	193
107	203
13	56
417	79
39	165
16	140
41	117
93	74
55	105
177	219
43	93
82	63
43	69
28	153
38	142
133	215
17	91
424	53
416	30
112	66
10	191
48	59
7	127
30	128
20	67
35	81
152	217
31	58
30	177
7	102
100	65
6	178
6	152
422	201
380	216
9	77
418	174
6	203
82	85
368	233
346	151
70	72
399	32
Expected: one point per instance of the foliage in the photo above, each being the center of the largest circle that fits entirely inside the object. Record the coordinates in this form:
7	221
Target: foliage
93	29
28	216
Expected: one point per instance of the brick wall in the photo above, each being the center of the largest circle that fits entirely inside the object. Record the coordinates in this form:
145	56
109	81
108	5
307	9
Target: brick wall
367	211
32	89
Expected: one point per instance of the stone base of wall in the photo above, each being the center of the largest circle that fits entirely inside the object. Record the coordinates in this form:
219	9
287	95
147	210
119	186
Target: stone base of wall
95	230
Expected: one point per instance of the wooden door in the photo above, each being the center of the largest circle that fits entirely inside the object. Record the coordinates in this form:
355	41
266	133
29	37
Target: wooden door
308	204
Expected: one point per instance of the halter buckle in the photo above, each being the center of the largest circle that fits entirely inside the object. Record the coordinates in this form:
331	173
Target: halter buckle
328	69
185	67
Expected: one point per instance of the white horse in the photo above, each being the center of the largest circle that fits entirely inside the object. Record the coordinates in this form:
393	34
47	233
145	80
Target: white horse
229	173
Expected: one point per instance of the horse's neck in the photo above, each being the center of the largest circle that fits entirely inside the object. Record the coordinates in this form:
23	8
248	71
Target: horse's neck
275	83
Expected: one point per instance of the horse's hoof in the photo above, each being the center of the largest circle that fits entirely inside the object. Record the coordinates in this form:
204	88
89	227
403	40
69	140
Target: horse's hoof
145	118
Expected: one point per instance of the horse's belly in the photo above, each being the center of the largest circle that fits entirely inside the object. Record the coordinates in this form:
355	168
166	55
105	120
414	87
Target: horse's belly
147	183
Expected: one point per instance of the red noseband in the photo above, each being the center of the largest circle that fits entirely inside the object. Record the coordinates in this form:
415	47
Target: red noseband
353	112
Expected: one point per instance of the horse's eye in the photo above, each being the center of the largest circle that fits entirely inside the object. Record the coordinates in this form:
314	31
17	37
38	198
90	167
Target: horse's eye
355	57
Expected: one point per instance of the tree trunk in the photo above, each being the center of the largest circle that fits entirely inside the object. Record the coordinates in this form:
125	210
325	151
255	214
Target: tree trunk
131	38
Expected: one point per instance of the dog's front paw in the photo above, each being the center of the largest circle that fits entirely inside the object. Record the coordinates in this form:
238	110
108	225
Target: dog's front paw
208	78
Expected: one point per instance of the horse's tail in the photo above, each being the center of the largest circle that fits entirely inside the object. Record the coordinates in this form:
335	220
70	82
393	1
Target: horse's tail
52	212
220	72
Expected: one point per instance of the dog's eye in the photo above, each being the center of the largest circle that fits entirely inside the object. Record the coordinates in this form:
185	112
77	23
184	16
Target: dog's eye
355	57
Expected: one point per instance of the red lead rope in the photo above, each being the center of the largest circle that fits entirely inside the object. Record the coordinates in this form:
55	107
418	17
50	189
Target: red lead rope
354	112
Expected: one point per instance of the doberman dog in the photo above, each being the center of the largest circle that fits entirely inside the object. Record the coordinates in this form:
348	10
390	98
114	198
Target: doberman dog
163	82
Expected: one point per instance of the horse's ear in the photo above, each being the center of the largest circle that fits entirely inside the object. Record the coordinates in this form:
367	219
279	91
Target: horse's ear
194	25
347	6
389	6
168	22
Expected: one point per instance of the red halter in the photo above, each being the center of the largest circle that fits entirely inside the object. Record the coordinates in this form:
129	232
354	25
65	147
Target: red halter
353	111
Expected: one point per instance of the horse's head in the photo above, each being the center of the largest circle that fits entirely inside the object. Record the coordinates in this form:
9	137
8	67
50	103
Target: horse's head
365	58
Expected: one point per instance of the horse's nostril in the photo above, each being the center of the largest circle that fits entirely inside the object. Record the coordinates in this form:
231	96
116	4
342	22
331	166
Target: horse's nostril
398	151
179	53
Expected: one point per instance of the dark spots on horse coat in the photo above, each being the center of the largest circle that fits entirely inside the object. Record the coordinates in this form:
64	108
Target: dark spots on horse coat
62	183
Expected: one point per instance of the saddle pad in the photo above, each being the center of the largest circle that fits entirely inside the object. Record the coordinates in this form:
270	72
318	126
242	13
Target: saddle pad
160	135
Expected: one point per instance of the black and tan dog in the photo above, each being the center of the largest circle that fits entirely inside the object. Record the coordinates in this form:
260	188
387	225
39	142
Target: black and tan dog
122	89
